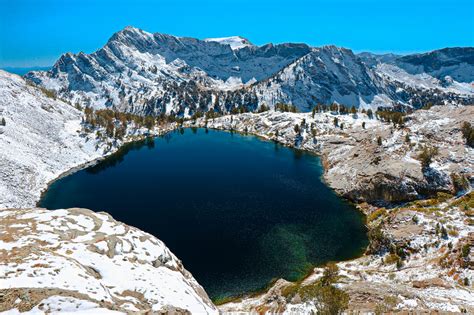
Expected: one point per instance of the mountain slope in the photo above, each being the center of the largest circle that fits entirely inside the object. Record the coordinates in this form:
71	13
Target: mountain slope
457	63
40	140
146	73
326	75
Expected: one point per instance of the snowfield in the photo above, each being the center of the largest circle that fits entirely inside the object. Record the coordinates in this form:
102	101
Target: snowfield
40	141
80	260
235	42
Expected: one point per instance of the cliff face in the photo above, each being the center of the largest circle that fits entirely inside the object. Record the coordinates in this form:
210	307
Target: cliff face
80	260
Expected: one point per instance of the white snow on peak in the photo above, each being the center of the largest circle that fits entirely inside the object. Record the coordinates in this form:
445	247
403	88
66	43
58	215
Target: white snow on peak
235	42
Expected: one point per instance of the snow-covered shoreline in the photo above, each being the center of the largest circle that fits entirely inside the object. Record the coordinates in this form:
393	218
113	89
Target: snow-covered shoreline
44	141
74	259
355	165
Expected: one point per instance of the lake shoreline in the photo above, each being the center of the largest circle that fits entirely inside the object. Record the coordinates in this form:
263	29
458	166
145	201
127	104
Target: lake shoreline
364	208
269	143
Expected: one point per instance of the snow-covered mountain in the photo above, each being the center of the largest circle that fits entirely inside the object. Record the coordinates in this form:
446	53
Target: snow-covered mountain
457	63
325	75
235	42
448	73
146	73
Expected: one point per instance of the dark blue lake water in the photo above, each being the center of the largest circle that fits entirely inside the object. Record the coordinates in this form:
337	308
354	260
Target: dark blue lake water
238	211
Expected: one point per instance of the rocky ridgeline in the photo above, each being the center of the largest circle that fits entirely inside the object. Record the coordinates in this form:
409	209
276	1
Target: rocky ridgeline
80	260
145	73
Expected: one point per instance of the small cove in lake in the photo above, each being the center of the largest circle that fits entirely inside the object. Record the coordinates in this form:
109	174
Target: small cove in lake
237	210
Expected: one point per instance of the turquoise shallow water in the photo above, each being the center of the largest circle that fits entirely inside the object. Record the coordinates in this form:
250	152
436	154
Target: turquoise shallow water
238	211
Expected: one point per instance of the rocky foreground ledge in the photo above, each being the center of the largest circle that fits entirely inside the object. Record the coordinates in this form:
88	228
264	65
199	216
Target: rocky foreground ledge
79	260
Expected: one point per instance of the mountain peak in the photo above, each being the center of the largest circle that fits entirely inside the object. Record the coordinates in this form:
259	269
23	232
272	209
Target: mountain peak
235	42
129	33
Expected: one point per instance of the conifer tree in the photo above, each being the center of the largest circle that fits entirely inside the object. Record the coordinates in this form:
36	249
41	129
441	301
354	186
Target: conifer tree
370	114
297	128
468	133
426	156
407	138
379	140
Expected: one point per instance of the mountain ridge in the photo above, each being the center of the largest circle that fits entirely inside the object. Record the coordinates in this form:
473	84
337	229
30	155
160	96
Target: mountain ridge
147	73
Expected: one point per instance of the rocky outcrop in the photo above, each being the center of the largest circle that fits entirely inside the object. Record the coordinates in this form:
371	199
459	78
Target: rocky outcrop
77	259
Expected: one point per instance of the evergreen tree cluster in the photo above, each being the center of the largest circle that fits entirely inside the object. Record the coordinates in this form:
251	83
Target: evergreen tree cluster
397	118
189	96
281	107
116	123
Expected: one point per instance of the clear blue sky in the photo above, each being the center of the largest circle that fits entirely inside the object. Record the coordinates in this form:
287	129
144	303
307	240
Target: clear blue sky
37	32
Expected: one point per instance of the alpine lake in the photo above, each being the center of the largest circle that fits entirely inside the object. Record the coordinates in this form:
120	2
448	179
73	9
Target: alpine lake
239	211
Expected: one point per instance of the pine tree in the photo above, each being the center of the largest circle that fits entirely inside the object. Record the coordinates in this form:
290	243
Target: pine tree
3	122
370	114
110	128
297	129
363	125
379	140
468	133
303	123
426	156
336	122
